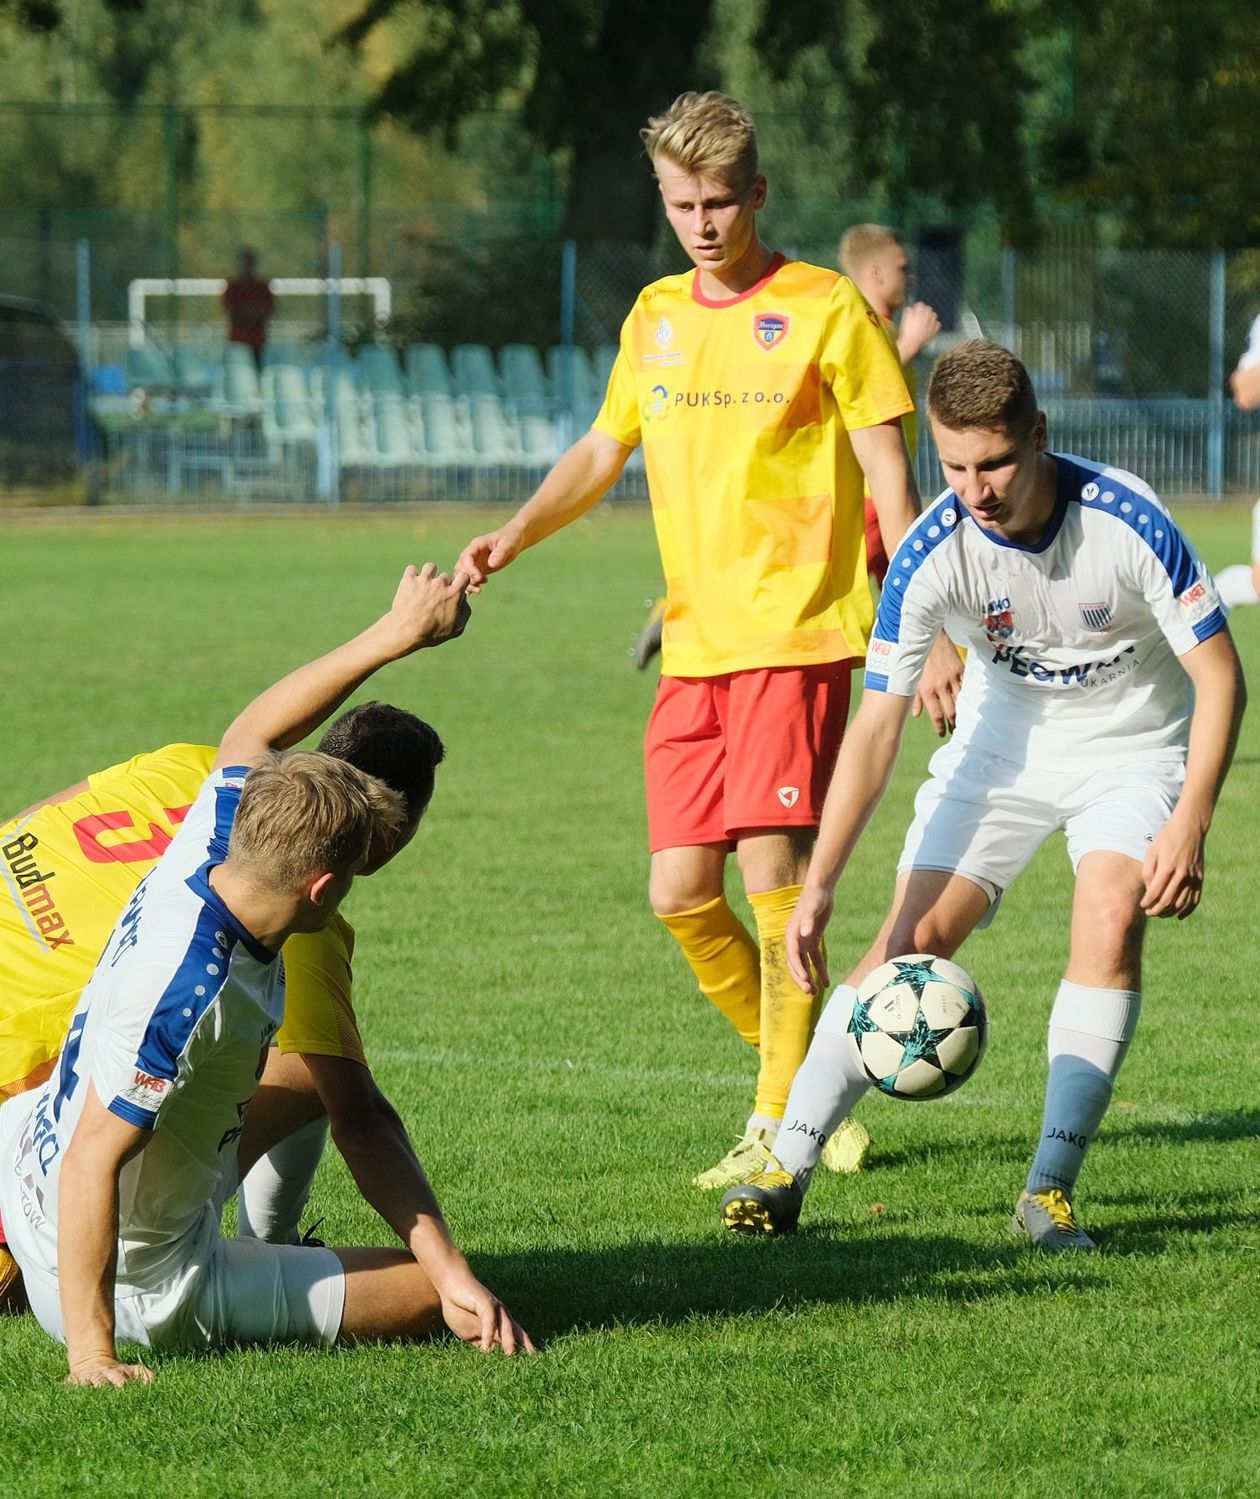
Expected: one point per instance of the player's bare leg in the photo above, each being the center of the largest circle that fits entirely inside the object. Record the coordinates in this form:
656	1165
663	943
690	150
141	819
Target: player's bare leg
1094	1017
389	1297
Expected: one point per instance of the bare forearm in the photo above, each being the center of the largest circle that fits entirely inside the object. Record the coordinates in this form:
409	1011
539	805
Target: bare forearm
287	712
578	481
864	767
1214	730
388	1173
882	453
87	1250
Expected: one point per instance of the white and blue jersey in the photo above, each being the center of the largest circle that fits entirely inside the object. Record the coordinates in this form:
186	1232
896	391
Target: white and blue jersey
1072	642
171	1031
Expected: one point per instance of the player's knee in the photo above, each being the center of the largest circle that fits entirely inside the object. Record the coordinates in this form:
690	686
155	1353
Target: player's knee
672	892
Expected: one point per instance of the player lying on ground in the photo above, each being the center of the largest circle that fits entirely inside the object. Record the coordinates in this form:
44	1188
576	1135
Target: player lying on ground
97	840
136	1131
1102	695
762	389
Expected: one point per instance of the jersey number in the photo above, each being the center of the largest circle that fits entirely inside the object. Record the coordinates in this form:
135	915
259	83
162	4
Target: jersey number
88	829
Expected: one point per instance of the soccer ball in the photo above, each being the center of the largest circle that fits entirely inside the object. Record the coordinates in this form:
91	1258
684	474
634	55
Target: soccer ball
918	1027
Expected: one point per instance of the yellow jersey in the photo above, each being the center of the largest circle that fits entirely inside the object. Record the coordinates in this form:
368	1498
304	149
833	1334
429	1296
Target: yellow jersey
66	872
743	408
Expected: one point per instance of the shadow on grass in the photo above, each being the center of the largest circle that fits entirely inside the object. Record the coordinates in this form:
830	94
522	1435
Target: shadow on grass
634	1284
896	1157
1242	1124
1158	1226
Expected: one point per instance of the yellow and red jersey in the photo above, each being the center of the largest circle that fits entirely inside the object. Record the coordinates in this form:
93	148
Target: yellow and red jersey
743	408
66	872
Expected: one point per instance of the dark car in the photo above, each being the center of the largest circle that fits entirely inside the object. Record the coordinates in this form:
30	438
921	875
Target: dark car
41	417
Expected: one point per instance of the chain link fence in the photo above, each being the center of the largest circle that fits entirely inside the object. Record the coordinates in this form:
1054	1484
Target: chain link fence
498	343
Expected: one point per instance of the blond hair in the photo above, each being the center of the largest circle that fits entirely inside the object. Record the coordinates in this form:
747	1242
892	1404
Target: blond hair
304	813
981	385
863	243
707	135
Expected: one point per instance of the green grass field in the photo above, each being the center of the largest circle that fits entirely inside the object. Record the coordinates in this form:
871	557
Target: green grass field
562	1080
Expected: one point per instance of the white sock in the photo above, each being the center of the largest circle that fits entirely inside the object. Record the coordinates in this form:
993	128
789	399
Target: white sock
824	1091
1090	1031
763	1122
274	1194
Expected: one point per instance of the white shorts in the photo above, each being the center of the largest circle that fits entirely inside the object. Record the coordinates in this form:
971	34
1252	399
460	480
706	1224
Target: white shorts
247	1292
984	817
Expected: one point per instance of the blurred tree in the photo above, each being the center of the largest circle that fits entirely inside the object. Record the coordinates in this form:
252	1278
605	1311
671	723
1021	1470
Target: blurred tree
586	73
1158	127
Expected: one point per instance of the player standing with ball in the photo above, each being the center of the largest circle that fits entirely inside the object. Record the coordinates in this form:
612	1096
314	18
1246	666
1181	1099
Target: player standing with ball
762	390
1102	695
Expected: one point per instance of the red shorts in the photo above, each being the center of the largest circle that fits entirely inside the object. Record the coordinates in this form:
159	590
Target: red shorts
742	753
876	556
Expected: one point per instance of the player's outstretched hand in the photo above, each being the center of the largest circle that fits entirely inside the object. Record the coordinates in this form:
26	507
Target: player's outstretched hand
807	962
940	685
109	1372
488	554
491	1324
1173	871
918	327
429	608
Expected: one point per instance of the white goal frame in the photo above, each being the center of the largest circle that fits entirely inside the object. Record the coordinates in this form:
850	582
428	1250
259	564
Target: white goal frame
143	287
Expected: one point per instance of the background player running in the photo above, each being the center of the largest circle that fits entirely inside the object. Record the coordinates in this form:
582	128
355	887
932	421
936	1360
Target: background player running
114	1168
874	258
1102	695
761	389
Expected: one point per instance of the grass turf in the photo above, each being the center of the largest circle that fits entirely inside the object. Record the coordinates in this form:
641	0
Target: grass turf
538	1032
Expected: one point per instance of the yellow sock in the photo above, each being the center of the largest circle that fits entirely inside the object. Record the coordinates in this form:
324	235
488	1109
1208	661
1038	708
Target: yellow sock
788	1016
724	959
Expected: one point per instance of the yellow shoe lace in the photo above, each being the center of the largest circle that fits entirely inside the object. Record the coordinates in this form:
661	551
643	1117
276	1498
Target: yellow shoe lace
1059	1209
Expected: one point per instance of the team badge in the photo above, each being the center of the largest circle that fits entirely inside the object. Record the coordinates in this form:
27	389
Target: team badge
999	624
1096	616
656	407
770	329
664	333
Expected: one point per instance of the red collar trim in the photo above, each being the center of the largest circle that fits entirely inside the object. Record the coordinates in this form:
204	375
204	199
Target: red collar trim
777	261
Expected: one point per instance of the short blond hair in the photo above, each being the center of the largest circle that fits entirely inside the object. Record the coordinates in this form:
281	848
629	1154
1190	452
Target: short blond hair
304	813
863	243
707	135
981	385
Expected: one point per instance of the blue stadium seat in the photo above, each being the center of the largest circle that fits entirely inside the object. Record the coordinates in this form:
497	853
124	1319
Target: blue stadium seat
572	379
427	371
445	441
473	368
493	438
149	368
379	371
524	379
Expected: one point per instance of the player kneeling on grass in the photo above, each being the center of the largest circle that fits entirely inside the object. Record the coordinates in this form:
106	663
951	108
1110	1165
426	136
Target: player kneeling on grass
113	1170
1102	695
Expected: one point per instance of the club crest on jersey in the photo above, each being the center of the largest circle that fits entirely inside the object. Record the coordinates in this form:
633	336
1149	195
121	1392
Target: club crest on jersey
999	620
1096	616
770	329
664	333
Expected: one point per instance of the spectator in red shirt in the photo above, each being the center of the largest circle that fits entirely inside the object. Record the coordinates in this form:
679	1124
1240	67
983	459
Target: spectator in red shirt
248	302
